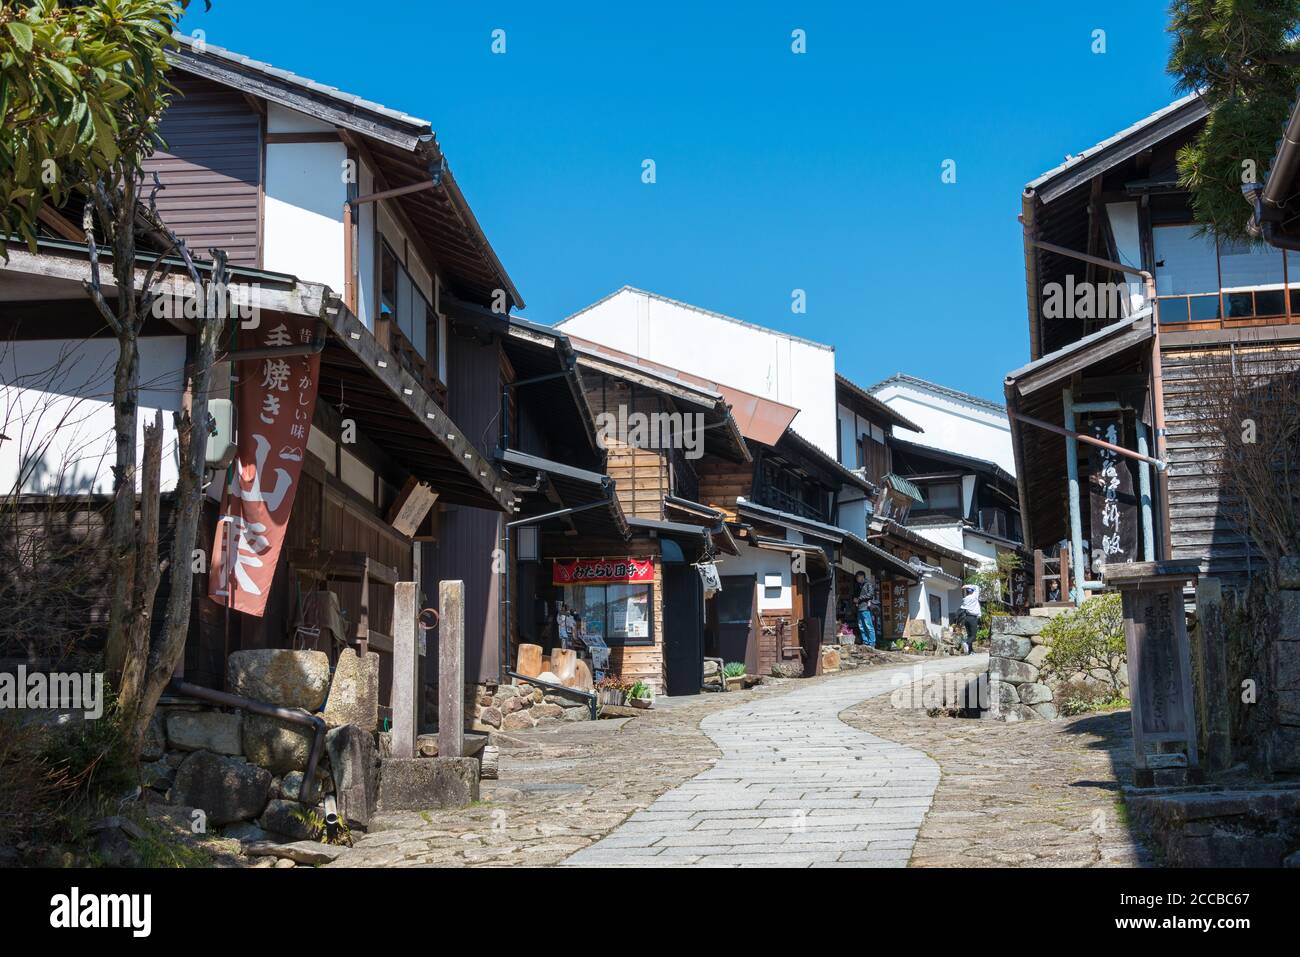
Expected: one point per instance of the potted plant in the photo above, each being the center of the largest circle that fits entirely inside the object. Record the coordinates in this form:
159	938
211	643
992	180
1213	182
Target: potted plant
640	695
612	690
734	672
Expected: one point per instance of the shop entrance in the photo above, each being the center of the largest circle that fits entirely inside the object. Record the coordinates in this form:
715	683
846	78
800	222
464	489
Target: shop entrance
683	629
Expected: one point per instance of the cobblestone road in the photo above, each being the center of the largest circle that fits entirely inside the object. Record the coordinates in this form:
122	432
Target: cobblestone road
795	786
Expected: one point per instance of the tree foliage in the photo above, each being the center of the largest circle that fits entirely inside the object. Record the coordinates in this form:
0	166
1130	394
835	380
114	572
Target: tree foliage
82	87
1242	56
1088	640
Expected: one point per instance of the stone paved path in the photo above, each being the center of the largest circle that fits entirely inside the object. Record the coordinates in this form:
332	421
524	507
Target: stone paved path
795	786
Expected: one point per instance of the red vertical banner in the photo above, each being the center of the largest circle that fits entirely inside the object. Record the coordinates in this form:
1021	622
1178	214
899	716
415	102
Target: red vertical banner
274	401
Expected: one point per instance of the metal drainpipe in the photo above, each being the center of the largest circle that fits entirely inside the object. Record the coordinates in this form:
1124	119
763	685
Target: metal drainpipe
292	715
1144	489
1076	518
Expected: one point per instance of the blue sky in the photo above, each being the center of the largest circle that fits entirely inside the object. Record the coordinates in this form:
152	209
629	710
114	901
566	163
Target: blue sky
775	171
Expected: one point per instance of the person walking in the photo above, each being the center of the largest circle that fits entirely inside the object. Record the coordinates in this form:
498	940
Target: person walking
865	598
970	609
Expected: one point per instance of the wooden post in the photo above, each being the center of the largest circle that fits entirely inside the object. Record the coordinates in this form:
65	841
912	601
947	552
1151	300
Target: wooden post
406	671
1040	592
451	669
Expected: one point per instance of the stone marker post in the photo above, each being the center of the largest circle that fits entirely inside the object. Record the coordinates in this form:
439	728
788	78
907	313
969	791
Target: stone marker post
406	671
451	669
1159	669
1211	660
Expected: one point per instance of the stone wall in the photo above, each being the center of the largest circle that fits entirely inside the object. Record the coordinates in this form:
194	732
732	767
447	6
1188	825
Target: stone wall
515	707
1284	749
1222	828
245	772
1018	690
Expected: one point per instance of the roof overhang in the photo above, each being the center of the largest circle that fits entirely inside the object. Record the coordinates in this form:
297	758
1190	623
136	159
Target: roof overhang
868	406
587	497
403	149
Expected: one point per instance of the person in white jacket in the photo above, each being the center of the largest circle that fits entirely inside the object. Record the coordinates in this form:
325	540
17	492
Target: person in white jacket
970	612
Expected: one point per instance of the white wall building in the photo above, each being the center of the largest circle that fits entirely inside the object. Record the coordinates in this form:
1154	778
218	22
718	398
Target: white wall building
772	364
953	421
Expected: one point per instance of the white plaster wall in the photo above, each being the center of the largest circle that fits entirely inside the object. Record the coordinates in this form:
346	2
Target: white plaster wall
57	415
762	562
951	424
761	361
305	191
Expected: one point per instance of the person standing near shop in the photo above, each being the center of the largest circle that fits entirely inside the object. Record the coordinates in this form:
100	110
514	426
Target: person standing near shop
970	609
865	598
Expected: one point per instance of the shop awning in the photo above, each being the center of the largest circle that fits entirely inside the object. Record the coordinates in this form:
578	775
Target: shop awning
582	502
818	562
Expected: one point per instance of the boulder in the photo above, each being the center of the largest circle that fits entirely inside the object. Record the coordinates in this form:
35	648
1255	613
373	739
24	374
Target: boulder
310	853
1015	672
490	717
414	784
205	731
1024	626
280	676
291	787
1045	710
578	713
1010	646
288	818
547	711
1004	695
275	744
155	742
1035	693
354	692
225	789
1037	655
516	722
157	775
245	831
354	762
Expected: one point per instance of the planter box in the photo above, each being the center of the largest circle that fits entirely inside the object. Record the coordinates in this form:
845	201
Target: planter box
736	684
642	703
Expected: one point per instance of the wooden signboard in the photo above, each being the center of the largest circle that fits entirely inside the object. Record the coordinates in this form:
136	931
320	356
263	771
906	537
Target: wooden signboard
893	607
1114	506
1159	658
1018	586
411	505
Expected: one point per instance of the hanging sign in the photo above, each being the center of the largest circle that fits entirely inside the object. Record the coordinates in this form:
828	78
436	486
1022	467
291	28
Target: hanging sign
275	398
1114	507
598	571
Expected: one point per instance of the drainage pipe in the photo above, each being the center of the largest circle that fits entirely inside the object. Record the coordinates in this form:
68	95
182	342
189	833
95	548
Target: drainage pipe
292	715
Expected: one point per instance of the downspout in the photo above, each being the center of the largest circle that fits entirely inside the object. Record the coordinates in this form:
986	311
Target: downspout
292	715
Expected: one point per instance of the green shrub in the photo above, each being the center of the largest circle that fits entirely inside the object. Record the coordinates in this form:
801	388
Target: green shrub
734	669
1088	640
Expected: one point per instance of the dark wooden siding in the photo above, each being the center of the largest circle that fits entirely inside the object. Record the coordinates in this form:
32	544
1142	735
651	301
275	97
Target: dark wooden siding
467	537
1202	523
210	167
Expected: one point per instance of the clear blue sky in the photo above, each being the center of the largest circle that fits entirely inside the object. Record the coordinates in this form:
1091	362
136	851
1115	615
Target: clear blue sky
775	171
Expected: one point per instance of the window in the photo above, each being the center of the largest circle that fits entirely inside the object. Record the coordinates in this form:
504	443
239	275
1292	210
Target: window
619	614
387	283
945	498
735	603
1203	279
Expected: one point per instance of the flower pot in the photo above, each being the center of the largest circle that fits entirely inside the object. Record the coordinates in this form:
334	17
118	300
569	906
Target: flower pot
736	684
643	703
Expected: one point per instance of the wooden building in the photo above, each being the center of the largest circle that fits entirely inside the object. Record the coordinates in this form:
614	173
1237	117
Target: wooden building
344	223
1118	357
